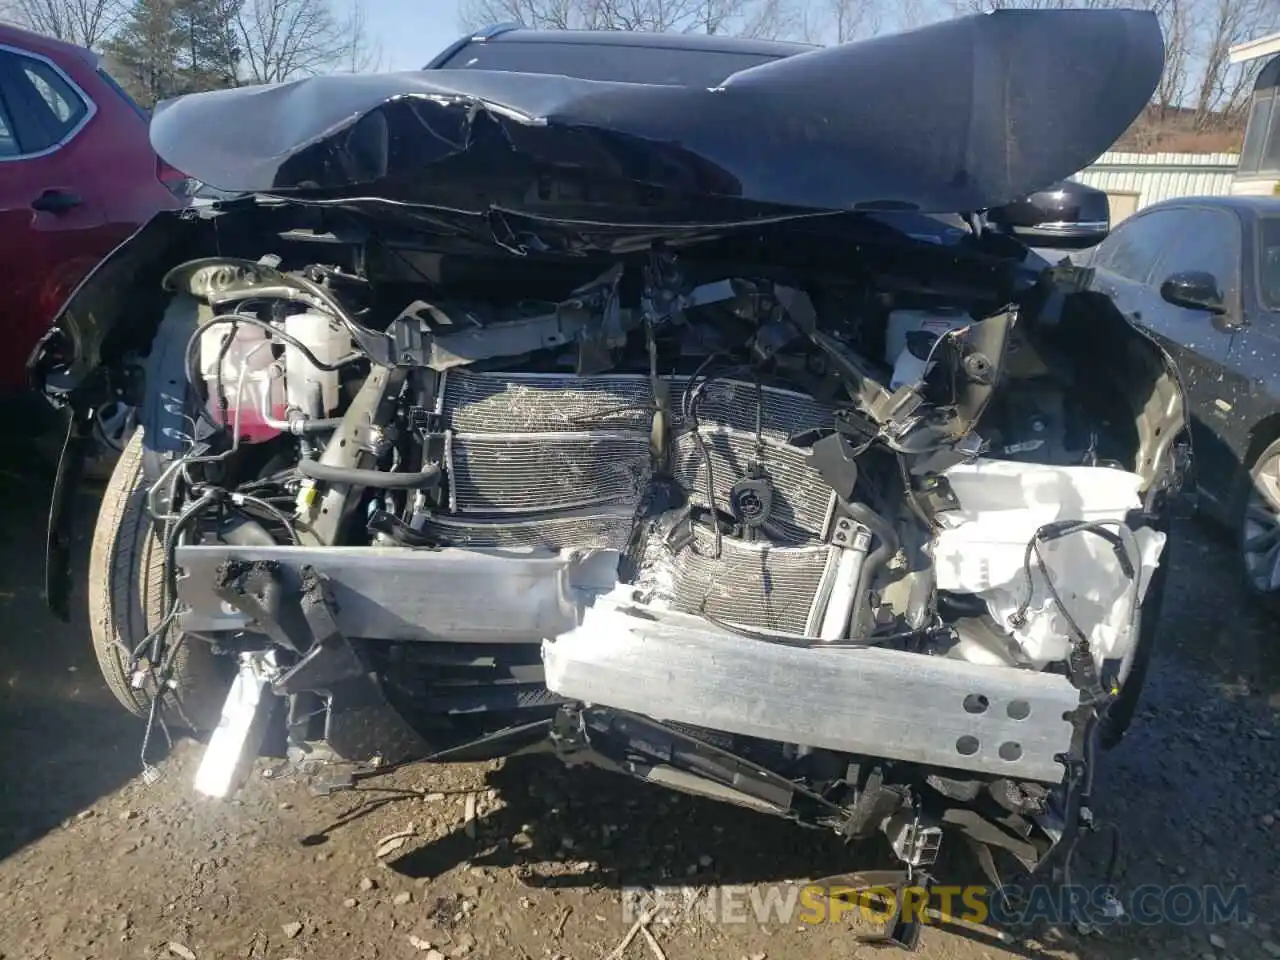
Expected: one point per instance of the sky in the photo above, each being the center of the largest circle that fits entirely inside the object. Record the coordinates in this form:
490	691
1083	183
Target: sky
411	32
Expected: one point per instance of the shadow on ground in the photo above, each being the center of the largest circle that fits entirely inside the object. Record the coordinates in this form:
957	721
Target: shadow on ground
65	741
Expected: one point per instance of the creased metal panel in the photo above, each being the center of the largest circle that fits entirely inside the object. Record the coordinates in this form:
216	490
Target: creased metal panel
871	701
802	500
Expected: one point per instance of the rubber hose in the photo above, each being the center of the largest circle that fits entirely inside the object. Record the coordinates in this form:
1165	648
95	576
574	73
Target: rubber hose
889	544
370	478
300	425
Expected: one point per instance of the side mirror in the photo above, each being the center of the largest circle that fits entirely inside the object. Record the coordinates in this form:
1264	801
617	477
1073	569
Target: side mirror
1194	289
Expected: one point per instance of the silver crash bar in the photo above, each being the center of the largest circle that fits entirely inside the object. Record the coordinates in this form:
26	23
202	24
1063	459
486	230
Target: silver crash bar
882	703
396	593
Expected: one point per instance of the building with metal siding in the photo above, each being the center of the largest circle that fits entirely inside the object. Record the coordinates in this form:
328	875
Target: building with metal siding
1136	180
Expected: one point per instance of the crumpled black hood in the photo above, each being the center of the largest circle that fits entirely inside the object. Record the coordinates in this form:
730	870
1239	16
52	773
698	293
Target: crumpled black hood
957	116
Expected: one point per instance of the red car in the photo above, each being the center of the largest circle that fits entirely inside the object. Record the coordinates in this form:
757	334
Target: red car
77	177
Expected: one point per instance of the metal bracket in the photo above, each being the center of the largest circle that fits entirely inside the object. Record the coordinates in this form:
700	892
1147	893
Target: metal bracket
899	931
255	589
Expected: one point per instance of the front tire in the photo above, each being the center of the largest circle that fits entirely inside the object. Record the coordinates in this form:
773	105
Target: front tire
1258	527
127	600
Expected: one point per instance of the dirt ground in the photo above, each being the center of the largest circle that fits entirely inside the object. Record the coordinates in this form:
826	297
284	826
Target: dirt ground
96	864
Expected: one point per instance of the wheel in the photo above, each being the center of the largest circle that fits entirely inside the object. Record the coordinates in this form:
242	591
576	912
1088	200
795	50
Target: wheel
1259	527
127	601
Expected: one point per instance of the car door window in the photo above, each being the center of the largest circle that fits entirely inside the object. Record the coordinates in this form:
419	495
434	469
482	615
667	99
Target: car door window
1131	250
43	108
62	102
57	106
1269	262
1207	241
8	142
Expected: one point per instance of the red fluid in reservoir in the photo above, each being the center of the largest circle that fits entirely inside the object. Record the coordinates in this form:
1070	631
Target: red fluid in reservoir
253	426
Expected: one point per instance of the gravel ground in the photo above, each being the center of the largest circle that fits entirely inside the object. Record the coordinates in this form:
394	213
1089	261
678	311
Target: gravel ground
93	863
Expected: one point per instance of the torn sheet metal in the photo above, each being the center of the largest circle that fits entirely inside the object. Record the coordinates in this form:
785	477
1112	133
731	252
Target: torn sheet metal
960	115
884	703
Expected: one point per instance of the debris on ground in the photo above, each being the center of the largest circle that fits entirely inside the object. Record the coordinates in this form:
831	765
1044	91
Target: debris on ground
469	815
393	842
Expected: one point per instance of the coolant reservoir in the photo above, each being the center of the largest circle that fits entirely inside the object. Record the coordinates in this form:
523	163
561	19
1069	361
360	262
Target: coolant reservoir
900	334
310	389
253	395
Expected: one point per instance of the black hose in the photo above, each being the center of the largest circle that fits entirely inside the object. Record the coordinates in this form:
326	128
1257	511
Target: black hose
889	544
381	479
276	332
303	425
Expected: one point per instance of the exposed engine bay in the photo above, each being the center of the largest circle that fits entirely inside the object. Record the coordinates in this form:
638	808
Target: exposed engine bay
856	519
862	557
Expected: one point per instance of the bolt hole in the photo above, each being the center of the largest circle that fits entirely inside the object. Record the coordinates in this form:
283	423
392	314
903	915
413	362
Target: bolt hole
967	746
1010	751
976	703
1019	710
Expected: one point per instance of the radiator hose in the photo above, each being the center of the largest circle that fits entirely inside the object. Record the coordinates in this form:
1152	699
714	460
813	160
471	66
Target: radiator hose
381	479
889	543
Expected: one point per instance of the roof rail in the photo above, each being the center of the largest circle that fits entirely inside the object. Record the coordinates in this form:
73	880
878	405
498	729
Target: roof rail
491	31
476	36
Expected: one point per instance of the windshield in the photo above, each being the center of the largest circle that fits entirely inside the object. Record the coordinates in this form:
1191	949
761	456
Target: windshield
618	63
1269	262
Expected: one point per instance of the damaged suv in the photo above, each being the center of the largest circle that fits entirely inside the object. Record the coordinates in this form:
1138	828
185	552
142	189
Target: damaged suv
696	427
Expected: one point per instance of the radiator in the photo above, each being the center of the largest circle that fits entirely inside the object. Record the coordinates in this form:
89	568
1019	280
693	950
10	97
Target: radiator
510	473
544	402
587	529
757	585
735	403
556	460
802	500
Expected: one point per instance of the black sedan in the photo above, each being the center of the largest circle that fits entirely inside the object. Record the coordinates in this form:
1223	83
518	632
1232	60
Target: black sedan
1203	276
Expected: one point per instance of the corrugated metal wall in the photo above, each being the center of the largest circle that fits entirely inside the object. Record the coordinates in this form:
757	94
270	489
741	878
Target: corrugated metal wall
1152	177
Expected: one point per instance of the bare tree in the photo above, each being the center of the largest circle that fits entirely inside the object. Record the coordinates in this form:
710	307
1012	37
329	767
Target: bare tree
1224	88
279	40
754	18
1178	25
536	14
363	53
839	21
84	22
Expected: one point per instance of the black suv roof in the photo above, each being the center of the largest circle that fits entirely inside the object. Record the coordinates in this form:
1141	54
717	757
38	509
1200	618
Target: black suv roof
624	38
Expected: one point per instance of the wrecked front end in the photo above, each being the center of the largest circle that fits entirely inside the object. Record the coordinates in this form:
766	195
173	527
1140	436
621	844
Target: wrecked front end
853	518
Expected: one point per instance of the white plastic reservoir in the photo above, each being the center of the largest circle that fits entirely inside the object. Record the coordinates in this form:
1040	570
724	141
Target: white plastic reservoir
308	388
982	551
240	357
